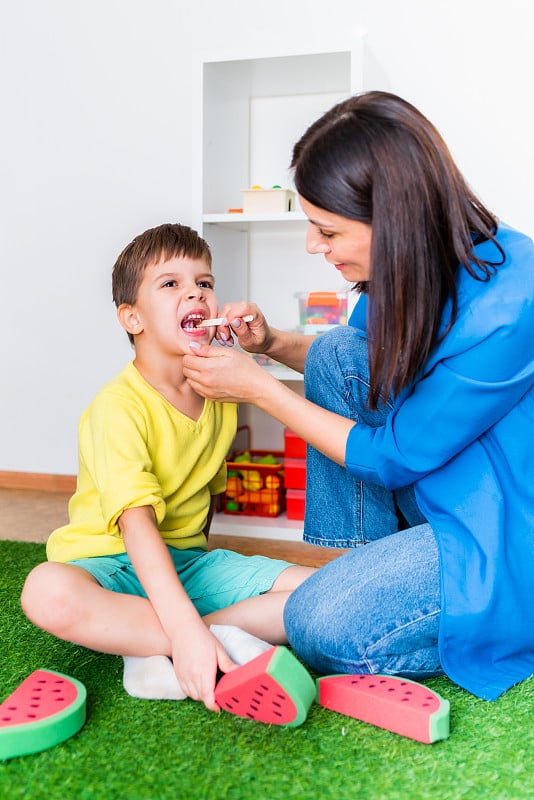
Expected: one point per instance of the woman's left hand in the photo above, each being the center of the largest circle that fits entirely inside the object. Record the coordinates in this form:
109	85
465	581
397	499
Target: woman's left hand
223	374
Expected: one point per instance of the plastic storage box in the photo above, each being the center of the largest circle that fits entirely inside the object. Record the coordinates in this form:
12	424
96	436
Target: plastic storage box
295	473
268	201
294	446
296	503
320	311
255	485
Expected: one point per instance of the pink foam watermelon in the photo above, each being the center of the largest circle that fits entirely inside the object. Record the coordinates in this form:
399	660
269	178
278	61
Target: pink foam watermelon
45	709
274	688
389	702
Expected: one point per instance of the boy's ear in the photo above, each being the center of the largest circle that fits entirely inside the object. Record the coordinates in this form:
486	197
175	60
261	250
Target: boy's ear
129	319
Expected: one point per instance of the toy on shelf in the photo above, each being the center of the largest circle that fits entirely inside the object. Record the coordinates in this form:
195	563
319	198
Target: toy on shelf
274	687
44	710
268	201
321	311
255	483
295	475
396	704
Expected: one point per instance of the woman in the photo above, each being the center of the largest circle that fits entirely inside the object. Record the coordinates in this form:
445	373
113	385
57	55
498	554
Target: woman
419	414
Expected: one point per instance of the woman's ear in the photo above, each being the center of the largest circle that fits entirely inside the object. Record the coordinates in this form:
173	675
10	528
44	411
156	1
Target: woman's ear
129	319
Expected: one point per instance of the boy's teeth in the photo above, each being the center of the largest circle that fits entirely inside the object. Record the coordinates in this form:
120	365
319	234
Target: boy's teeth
192	321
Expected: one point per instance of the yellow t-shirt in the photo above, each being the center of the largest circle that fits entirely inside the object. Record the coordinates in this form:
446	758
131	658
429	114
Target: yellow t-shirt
136	449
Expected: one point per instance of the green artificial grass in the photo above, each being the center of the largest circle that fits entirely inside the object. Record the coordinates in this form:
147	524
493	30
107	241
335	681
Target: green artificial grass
134	749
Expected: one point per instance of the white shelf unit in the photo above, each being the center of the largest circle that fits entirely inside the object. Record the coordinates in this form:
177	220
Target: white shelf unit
249	113
279	528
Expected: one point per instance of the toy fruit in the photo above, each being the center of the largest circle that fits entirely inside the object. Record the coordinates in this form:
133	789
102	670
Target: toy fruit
274	687
396	704
249	497
252	480
271	509
44	710
272	482
268	459
234	486
243	458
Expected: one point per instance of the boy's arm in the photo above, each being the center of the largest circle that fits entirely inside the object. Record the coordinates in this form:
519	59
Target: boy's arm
195	652
211	512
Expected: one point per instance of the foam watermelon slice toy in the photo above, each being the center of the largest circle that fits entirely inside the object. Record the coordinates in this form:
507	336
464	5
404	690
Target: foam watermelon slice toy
396	704
44	710
274	688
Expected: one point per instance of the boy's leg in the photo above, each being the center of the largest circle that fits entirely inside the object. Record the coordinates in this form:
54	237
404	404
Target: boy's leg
154	678
292	577
68	602
249	592
261	616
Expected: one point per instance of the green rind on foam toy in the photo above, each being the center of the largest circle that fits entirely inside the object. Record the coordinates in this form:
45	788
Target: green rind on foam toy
298	682
33	734
273	688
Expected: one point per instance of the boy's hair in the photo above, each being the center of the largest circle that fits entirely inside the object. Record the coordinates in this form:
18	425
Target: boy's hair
164	242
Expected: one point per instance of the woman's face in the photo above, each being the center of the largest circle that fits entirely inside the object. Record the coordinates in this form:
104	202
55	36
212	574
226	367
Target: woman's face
345	243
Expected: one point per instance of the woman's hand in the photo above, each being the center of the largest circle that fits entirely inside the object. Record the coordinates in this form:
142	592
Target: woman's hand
223	374
253	336
231	376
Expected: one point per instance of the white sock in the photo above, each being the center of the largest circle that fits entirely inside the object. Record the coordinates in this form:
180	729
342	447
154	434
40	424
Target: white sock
151	678
154	678
240	645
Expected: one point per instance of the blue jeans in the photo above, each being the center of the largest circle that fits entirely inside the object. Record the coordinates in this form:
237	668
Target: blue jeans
376	608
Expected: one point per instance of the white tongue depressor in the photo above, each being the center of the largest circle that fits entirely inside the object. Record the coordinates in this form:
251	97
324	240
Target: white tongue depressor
208	323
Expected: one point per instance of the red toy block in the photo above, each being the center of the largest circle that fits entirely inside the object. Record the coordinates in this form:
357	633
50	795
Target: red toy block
44	710
396	704
295	503
294	446
274	687
295	473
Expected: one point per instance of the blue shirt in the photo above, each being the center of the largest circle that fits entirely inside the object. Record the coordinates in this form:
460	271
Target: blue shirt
464	435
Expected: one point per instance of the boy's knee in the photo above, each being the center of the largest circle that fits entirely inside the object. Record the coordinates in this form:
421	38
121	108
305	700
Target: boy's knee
45	594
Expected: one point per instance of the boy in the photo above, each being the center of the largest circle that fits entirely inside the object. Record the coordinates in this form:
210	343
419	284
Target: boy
130	574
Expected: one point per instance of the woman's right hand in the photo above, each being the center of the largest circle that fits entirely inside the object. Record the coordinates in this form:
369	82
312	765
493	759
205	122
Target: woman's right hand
253	336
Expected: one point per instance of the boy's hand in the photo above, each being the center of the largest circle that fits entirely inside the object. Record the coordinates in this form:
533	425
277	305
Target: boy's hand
197	655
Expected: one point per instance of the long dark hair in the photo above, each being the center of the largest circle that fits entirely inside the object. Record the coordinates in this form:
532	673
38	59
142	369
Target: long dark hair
377	159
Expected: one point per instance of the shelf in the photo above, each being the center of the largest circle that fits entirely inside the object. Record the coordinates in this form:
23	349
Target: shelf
257	527
237	217
249	110
282	373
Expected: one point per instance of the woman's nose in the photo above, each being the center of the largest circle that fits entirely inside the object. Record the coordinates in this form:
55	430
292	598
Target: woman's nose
315	243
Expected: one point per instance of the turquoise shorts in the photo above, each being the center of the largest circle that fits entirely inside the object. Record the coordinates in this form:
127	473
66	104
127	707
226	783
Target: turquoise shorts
212	579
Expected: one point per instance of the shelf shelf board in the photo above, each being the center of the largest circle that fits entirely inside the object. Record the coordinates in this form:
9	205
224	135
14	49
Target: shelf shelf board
282	373
236	218
257	527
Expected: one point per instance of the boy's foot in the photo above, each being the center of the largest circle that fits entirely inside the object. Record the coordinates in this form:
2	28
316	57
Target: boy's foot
151	678
154	678
241	646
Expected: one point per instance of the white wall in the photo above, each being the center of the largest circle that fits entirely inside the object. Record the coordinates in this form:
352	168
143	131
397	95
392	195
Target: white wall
96	146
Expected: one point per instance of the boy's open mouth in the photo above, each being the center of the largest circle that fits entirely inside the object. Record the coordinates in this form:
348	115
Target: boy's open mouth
190	322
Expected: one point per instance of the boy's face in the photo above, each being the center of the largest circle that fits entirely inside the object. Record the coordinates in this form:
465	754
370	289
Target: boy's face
173	297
